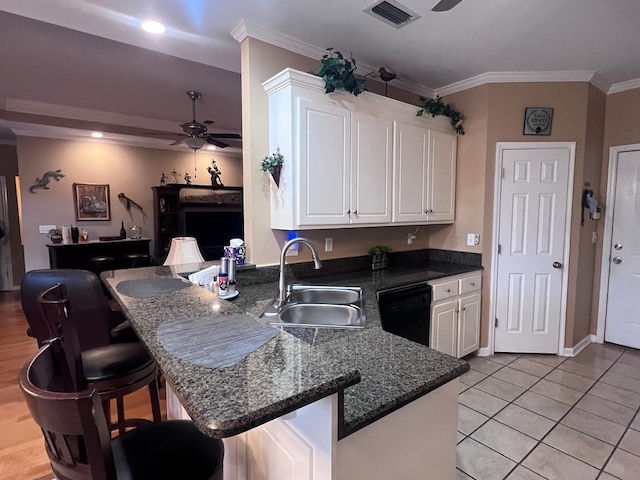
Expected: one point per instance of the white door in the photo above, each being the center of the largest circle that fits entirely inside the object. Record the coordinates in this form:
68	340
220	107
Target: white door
623	299
371	164
532	231
325	151
6	276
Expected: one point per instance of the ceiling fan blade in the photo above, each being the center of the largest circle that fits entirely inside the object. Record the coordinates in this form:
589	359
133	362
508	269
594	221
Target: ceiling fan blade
178	142
215	142
445	5
159	134
224	135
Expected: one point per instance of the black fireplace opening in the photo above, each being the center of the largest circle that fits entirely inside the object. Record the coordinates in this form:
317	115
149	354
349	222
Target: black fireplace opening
213	229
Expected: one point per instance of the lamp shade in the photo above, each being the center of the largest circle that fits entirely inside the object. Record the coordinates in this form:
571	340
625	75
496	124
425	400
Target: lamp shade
183	250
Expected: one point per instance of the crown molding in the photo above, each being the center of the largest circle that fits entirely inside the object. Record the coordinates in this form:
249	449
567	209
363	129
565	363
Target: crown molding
22	129
11	143
624	86
247	28
524	77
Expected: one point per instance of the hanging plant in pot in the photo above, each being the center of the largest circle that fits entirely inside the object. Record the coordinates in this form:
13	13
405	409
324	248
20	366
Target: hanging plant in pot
273	165
338	72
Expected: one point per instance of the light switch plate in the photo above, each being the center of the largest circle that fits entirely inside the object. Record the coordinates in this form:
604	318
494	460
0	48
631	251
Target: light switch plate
46	228
328	244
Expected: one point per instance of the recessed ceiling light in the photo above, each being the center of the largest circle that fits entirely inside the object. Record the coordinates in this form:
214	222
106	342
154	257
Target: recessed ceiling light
211	147
96	134
152	26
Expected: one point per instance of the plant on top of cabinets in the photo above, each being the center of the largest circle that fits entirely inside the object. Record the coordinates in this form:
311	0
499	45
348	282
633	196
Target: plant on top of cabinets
338	73
436	106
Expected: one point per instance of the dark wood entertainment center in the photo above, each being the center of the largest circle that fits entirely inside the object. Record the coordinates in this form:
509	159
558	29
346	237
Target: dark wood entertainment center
213	215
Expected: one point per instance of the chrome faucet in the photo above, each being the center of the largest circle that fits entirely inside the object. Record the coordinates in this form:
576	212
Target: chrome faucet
281	283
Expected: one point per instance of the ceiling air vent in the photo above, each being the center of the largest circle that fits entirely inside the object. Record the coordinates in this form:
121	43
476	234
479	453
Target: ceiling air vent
393	13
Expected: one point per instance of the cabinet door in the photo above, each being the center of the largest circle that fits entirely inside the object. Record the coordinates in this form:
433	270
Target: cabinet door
469	324
441	177
444	322
411	162
371	174
324	151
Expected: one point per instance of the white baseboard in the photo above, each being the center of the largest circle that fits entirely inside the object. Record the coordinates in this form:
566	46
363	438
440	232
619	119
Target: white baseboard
581	345
484	352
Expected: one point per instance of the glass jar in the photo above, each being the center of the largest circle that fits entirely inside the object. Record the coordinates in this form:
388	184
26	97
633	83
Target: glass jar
135	232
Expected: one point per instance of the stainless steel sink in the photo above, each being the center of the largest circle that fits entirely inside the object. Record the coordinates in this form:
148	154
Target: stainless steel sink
316	306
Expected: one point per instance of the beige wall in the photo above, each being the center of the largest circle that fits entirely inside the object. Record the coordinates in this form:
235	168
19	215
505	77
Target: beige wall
130	170
261	61
9	170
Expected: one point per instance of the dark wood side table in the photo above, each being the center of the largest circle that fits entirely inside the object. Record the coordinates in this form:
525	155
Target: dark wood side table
77	255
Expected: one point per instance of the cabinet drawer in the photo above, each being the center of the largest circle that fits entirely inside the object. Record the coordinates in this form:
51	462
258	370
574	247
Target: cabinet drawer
445	290
470	283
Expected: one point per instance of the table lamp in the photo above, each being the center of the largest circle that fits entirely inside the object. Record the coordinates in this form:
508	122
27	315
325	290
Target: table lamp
183	250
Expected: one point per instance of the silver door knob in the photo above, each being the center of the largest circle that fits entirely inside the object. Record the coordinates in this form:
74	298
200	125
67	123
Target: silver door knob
616	260
618	246
557	265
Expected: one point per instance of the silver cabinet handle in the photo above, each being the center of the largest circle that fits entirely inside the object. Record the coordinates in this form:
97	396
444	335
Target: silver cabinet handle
617	260
464	308
355	212
473	284
448	290
618	246
557	265
348	212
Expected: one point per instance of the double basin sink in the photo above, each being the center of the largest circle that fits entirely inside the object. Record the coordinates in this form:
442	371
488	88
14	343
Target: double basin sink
319	306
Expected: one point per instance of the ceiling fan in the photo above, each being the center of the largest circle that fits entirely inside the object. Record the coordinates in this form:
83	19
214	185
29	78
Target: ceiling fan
195	134
445	5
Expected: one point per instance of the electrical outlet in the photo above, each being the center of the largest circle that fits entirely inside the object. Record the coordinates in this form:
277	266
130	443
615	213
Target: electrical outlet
473	239
328	244
594	237
46	228
410	238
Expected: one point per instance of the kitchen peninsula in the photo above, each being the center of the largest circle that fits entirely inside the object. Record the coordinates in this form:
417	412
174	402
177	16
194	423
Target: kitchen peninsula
307	403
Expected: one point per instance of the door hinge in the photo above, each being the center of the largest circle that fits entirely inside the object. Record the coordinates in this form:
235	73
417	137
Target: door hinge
503	173
496	323
499	249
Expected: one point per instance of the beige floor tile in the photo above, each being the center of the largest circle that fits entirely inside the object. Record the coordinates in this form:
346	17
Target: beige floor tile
522	473
459	437
636	423
516	377
626	370
481	402
506	440
483	365
472	377
606	476
593	425
609	351
631	443
542	405
525	421
606	409
499	388
631	357
583	447
469	420
555	465
621	381
481	462
531	367
557	392
503	358
571	380
549	360
615	394
593	360
581	369
462	387
623	465
462	476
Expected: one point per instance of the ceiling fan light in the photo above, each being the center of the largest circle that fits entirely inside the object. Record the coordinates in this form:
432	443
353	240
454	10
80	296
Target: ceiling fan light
194	142
153	26
211	147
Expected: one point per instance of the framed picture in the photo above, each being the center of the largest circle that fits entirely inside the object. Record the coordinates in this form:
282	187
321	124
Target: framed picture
92	201
537	120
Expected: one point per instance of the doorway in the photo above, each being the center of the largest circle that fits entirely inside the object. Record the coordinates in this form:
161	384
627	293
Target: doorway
619	302
532	222
6	265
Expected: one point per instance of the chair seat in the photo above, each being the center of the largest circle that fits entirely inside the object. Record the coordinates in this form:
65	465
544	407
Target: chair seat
114	361
167	450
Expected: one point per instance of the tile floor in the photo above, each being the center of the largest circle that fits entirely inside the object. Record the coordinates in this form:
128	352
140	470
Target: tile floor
532	417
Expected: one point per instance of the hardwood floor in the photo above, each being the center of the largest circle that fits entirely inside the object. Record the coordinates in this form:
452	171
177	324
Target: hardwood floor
22	453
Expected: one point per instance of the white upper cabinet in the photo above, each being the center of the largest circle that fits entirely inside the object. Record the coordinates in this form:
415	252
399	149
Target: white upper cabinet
341	154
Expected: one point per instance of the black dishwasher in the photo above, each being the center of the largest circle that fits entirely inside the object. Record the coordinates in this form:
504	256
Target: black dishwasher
406	311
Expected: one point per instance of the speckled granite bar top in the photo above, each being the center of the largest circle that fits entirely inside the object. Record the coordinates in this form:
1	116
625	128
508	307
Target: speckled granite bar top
373	371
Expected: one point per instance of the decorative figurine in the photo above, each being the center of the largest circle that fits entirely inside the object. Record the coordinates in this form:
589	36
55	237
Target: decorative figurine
187	178
215	173
163	178
174	174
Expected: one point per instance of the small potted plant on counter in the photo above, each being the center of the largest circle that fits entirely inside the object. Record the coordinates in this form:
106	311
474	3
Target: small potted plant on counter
379	257
55	235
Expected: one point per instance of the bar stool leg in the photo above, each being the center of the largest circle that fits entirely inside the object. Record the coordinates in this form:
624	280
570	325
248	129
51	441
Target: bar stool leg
154	394
120	407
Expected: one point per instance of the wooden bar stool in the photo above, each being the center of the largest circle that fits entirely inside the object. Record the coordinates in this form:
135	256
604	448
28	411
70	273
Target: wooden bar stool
114	370
77	438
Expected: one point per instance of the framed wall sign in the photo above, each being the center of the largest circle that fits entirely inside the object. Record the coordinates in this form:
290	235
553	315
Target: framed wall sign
91	201
537	120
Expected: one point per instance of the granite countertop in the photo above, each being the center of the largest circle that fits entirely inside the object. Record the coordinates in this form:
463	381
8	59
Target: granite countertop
373	371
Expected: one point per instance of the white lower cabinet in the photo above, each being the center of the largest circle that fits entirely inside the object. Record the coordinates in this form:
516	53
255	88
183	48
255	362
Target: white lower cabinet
455	315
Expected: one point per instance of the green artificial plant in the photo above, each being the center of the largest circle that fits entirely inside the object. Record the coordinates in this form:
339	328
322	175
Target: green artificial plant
338	72
434	107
